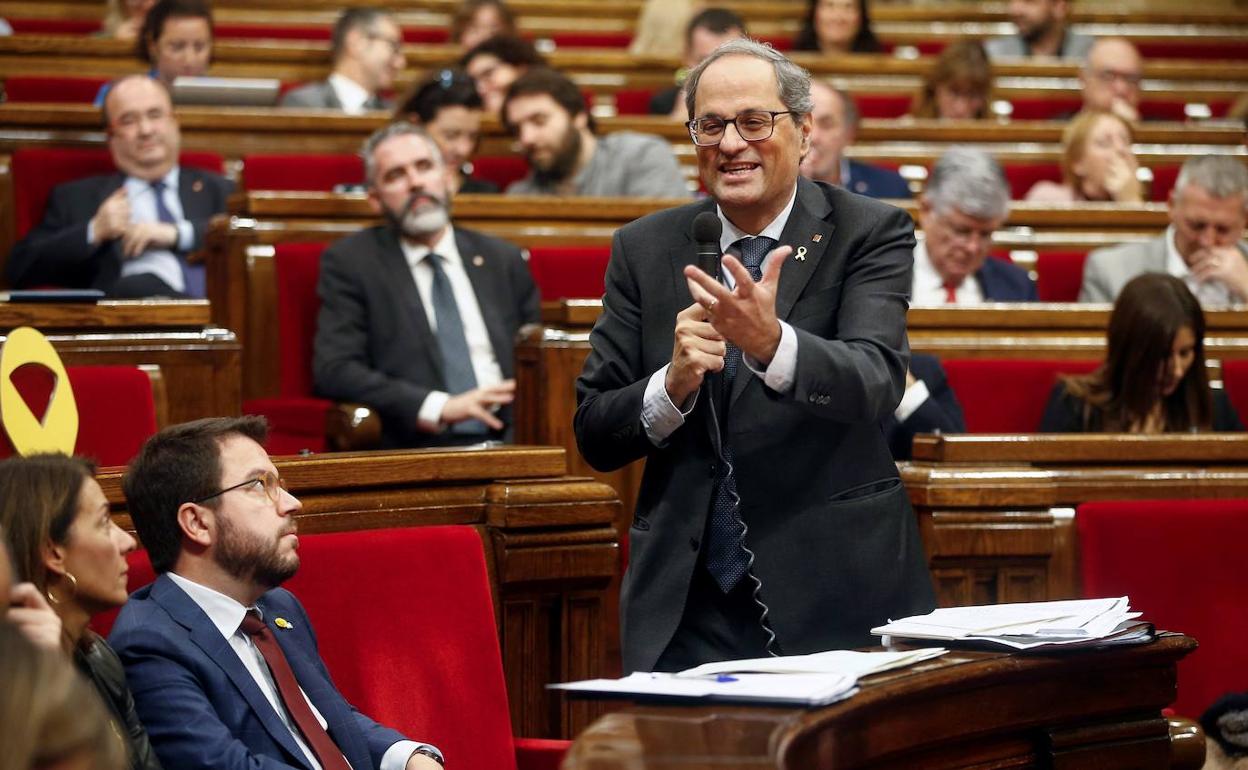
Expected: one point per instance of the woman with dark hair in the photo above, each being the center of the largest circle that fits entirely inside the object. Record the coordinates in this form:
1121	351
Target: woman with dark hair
448	106
837	27
175	41
496	63
958	86
1153	379
62	539
476	21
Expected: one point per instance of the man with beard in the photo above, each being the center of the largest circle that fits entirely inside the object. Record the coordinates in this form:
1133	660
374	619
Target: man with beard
1042	32
223	662
418	318
545	112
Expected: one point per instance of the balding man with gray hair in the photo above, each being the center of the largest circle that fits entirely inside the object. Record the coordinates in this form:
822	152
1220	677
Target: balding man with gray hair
1203	245
367	52
966	200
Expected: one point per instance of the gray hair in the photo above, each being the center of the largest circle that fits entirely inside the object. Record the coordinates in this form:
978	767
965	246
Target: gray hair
792	80
353	18
397	128
970	180
1222	176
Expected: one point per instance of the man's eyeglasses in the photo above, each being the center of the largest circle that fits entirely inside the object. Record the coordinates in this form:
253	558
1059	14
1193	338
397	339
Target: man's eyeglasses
271	483
752	126
1109	77
396	45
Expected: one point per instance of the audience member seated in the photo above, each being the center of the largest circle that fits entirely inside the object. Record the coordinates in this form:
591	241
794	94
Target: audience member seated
495	64
49	717
966	200
124	18
367	54
449	108
1042	30
1154	378
1226	733
59	528
927	406
127	233
1111	78
1097	163
958	86
834	127
837	27
705	32
476	21
418	318
176	40
546	113
1203	245
211	681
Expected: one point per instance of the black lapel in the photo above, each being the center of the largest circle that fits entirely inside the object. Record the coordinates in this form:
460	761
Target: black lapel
396	272
488	281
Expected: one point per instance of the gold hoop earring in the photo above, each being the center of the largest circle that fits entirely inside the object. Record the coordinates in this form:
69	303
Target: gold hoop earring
73	589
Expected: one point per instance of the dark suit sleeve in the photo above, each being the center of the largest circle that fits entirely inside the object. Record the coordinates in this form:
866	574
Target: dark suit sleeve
940	413
1063	413
341	366
528	297
1224	415
56	251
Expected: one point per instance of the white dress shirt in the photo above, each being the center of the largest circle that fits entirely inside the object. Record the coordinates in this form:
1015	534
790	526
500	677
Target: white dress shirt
351	95
1211	293
928	288
227	615
484	362
162	263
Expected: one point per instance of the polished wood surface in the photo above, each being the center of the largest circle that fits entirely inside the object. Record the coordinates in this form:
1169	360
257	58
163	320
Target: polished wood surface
1073	711
550	549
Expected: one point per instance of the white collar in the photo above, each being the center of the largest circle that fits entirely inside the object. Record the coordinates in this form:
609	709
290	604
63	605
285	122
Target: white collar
444	247
731	233
225	613
1175	264
351	94
136	185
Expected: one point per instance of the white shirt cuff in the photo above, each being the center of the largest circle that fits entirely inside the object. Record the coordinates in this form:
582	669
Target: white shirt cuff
911	400
782	370
397	755
429	418
659	416
186	236
91	232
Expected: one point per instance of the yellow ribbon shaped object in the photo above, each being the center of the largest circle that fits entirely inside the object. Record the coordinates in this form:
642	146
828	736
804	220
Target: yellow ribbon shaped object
58	430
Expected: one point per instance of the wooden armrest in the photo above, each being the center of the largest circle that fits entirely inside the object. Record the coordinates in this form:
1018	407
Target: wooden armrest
352	427
1187	744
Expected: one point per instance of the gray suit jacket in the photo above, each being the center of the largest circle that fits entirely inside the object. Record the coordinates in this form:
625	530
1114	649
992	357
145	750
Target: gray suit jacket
373	341
322	95
1107	270
836	544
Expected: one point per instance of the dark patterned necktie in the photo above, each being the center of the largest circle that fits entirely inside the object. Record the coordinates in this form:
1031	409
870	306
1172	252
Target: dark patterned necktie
457	371
726	558
193	276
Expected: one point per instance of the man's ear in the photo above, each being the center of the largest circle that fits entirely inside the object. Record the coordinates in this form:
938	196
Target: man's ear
198	523
374	202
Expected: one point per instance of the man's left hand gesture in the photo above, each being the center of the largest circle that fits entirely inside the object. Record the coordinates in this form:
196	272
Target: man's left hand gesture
746	314
1224	264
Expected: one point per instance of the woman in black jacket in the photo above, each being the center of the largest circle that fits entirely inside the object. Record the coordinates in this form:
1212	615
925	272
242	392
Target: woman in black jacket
62	539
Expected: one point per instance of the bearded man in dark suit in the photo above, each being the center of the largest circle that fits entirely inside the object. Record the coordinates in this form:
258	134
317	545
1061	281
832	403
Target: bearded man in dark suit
771	518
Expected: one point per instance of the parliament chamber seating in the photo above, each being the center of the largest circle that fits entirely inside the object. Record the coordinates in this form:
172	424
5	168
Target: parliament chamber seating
119	407
502	170
311	172
1007	396
569	272
1235	383
1180	562
52	89
1059	275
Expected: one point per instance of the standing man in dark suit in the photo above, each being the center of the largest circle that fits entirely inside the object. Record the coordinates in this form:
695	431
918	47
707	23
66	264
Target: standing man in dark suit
966	200
367	50
834	128
128	233
419	318
770	518
222	662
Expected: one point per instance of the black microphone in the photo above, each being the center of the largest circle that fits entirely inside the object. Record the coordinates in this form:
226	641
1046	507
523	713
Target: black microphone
707	230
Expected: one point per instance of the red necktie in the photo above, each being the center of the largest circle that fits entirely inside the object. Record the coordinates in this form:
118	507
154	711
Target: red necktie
951	292
327	752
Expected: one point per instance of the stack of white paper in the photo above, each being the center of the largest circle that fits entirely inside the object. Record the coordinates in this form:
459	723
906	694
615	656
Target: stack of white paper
804	680
1026	625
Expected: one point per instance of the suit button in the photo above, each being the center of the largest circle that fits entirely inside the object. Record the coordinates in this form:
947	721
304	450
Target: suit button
694	544
713	468
813	398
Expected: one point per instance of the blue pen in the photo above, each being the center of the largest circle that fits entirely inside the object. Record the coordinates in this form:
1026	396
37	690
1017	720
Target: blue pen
725	678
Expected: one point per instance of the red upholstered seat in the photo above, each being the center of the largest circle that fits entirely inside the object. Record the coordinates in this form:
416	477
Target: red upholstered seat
36	170
502	170
1059	274
1006	395
1044	107
882	105
54	26
1181	564
411	640
116	408
633	101
1023	176
1235	383
51	89
314	173
569	272
590	39
296	417
1164	177
1193	47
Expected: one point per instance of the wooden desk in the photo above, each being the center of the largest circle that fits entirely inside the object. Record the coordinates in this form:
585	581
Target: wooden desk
201	364
1095	709
550	550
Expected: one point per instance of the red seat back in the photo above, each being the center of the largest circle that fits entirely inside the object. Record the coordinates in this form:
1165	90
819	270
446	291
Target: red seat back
569	272
36	170
502	170
1006	395
1059	274
1023	176
1044	107
410	637
1164	177
591	39
1180	562
314	173
882	105
116	410
54	26
51	89
297	267
633	101
1235	383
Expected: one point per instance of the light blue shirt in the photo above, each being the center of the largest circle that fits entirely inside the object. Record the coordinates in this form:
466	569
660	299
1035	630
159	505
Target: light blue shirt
162	263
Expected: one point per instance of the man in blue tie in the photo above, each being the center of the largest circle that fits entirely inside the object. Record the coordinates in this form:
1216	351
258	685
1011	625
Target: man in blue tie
770	518
418	318
127	233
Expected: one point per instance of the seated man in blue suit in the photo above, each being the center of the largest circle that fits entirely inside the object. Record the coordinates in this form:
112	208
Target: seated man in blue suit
835	127
928	405
222	662
965	201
